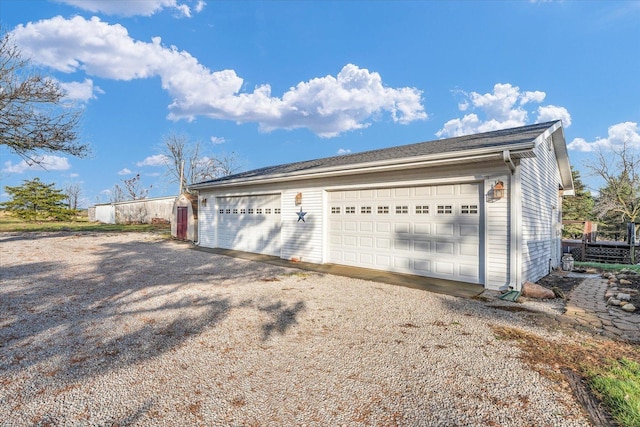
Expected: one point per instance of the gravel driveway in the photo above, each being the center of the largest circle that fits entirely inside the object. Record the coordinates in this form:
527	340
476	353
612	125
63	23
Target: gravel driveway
133	329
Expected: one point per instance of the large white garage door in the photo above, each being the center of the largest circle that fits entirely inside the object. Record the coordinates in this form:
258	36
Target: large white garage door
250	223
429	231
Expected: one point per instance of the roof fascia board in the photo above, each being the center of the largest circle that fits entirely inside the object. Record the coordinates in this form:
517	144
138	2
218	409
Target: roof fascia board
556	132
401	163
353	171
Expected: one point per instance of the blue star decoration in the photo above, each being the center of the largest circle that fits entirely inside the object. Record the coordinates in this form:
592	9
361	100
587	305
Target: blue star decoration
301	215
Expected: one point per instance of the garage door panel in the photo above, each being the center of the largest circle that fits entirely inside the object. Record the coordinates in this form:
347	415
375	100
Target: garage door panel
421	246
350	256
383	193
444	268
427	230
467	230
402	244
401	227
468	270
445	190
422	266
383	243
349	226
468	189
350	241
383	261
383	227
402	263
444	230
249	223
366	242
422	228
366	226
444	248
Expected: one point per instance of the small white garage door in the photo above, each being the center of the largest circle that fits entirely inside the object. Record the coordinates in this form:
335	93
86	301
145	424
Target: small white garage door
250	223
429	231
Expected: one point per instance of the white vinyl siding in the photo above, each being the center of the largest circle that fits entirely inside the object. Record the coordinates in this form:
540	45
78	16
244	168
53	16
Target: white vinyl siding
497	235
302	240
206	220
540	182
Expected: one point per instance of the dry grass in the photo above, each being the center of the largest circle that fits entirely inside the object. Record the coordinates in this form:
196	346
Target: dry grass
587	358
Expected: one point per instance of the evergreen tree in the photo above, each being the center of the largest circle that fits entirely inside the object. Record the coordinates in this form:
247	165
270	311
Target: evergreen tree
35	200
577	208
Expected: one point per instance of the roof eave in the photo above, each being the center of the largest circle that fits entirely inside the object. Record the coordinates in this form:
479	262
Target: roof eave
470	156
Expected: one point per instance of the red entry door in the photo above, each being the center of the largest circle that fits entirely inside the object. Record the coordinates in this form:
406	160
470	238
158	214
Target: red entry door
182	223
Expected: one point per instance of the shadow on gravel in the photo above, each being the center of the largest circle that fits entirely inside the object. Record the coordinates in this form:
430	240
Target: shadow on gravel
283	318
121	310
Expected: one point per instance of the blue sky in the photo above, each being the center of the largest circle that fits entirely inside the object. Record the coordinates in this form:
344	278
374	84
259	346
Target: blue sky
283	81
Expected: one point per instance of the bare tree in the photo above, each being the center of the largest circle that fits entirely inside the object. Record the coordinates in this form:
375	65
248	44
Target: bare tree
620	170
117	194
619	199
73	193
132	190
227	164
184	160
33	116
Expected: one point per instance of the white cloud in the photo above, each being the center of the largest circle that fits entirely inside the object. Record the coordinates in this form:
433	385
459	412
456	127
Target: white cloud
343	151
503	108
155	160
47	162
74	175
217	140
551	112
326	105
617	135
133	8
80	91
124	171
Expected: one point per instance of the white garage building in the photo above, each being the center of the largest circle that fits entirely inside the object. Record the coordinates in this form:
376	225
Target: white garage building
482	208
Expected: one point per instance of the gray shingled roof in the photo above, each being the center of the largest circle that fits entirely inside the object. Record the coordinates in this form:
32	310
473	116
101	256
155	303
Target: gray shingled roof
495	139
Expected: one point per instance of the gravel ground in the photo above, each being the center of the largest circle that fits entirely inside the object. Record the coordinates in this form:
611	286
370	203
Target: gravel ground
132	329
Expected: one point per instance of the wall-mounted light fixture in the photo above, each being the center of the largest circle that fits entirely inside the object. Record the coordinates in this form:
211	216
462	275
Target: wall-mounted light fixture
298	199
498	190
203	202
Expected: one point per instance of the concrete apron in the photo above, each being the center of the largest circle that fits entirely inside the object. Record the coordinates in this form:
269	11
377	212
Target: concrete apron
440	286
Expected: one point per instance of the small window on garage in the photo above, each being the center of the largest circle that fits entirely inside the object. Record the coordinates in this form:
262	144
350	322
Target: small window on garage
243	211
235	211
335	209
403	209
267	211
469	209
365	209
445	209
422	209
221	211
383	209
228	211
276	211
350	209
259	211
250	211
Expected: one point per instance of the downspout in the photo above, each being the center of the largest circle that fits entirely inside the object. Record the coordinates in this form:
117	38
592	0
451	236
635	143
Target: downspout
515	223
